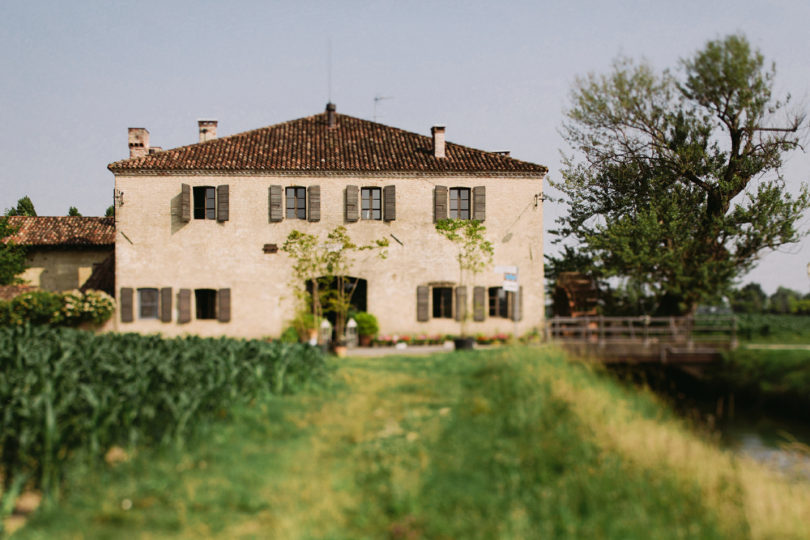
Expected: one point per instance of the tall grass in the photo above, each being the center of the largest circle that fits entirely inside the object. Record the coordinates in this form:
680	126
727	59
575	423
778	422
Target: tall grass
66	391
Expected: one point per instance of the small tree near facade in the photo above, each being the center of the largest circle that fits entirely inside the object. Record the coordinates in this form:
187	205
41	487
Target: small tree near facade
474	251
326	264
24	208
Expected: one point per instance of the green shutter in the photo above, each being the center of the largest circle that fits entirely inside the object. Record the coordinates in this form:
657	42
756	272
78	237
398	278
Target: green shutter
184	306
422	304
480	203
440	203
479	303
276	204
352	214
185	202
166	304
314	206
390	203
223	204
125	302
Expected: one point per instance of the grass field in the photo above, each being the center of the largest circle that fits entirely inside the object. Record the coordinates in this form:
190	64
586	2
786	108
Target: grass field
769	328
510	443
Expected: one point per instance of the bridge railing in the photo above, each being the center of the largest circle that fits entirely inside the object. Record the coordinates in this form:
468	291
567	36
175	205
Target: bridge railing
688	330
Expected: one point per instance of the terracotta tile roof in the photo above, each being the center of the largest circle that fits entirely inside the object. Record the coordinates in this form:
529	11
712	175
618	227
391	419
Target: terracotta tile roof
310	145
63	231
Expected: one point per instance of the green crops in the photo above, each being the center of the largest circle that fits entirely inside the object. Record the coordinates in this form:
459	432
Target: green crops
63	391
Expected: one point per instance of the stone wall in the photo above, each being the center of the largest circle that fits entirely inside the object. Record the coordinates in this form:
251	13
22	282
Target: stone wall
155	248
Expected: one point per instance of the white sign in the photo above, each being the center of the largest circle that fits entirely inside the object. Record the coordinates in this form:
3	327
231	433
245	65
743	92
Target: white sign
511	286
506	269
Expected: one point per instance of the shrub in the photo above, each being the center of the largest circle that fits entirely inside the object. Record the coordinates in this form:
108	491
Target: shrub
289	335
60	309
366	324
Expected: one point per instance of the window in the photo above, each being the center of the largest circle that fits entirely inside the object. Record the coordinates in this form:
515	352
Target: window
459	203
499	302
442	302
148	301
205	199
296	202
371	199
206	300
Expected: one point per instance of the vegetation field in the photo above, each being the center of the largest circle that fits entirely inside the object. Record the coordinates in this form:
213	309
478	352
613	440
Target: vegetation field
510	443
772	328
69	395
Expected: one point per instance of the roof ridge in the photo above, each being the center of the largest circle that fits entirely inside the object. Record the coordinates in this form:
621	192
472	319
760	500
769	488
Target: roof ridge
308	144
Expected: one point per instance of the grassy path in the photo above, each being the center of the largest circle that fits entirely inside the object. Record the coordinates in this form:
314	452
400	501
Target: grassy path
501	444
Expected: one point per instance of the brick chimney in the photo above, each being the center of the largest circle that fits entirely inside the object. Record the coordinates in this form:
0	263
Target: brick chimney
438	141
208	129
331	115
138	142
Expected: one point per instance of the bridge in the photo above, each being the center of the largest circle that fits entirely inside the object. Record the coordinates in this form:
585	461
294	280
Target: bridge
685	341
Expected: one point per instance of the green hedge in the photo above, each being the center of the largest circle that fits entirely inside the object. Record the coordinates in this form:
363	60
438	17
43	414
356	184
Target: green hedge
65	390
60	309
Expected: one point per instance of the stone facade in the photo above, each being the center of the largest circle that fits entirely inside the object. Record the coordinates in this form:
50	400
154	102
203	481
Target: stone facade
157	249
61	269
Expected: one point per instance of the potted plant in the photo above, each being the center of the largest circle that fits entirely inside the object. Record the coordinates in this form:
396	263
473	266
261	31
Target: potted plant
474	254
367	327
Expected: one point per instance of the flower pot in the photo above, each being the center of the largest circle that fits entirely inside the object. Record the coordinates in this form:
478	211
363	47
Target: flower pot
340	351
463	343
365	341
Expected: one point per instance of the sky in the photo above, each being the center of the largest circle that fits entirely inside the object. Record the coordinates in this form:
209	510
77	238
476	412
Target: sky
76	75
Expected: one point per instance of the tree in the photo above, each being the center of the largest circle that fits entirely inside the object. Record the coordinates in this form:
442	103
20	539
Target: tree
24	208
749	299
110	211
326	264
12	256
785	301
73	211
675	183
474	250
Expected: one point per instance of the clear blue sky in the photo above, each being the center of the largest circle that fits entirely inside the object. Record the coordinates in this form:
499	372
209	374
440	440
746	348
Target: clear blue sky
75	75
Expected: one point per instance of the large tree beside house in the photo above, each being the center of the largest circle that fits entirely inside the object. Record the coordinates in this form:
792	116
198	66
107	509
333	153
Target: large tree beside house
12	256
675	182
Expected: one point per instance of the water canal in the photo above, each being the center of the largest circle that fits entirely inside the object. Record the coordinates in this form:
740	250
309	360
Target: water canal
772	433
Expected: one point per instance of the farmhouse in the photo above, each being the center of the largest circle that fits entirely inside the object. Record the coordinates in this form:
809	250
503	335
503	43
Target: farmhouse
62	252
199	228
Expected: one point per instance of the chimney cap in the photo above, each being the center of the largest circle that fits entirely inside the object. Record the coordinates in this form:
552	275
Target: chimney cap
207	121
331	107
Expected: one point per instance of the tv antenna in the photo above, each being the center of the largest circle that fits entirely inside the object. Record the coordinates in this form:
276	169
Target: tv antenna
329	72
377	99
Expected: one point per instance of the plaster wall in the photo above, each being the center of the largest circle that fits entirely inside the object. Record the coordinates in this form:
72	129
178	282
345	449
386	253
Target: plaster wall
155	248
61	269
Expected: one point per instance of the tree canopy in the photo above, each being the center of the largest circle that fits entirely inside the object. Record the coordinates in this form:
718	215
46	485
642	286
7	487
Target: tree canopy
73	211
24	208
675	184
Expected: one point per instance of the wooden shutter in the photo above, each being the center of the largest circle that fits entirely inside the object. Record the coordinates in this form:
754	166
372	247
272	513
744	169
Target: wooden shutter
185	202
352	214
480	203
276	204
461	303
223	203
440	203
516	308
224	304
390	203
479	303
166	304
184	306
314	196
422	303
126	304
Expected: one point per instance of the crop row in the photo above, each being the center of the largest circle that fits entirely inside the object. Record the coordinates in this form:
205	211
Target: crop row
65	391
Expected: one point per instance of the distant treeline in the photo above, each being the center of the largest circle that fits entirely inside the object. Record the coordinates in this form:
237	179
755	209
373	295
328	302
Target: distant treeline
752	299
